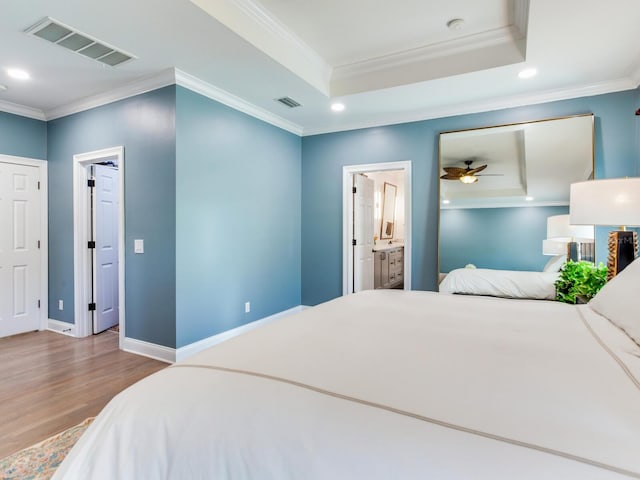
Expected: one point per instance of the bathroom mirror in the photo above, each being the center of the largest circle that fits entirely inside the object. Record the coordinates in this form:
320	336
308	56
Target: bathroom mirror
388	211
515	177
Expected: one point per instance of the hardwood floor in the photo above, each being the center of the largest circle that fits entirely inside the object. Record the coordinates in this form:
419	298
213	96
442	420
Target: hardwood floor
50	382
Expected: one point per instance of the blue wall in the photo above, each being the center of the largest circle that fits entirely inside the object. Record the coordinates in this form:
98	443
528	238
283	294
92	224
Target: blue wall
237	218
23	137
145	126
499	238
323	157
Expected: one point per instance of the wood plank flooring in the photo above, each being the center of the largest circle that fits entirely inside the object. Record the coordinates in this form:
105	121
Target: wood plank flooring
50	382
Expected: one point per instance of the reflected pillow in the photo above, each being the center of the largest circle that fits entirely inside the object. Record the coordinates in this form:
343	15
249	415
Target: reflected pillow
555	263
617	300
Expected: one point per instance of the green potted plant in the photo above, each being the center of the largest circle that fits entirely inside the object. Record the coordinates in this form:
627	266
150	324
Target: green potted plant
580	281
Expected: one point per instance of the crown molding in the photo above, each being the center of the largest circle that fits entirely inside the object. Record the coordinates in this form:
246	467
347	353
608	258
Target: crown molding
143	85
426	53
513	101
203	88
480	203
22	110
264	31
635	76
520	14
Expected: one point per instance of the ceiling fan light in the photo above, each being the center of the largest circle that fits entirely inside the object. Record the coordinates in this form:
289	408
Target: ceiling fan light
468	179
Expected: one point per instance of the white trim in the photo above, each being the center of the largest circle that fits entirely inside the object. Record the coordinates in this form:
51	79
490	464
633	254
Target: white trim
482	106
42	167
81	255
426	53
203	88
146	349
521	204
22	110
143	85
635	75
64	328
520	14
193	348
347	217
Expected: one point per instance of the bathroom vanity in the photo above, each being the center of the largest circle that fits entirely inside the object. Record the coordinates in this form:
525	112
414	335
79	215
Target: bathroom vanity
388	266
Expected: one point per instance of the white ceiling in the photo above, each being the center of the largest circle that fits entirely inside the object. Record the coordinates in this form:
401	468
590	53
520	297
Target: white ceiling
388	62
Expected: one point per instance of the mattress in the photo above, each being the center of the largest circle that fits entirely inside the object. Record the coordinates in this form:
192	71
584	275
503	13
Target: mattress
386	384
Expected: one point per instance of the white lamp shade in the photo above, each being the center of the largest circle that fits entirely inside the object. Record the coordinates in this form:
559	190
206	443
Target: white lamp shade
606	202
558	226
555	246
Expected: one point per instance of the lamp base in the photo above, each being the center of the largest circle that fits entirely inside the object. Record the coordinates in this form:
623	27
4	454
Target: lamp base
623	249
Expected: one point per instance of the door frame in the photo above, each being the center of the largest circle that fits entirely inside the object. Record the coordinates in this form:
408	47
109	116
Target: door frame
82	256
42	167
347	217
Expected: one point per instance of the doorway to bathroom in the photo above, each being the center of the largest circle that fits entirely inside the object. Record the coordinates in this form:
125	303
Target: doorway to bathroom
376	212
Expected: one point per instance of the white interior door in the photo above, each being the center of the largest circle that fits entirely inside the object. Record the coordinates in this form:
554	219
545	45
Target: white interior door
19	249
105	271
363	233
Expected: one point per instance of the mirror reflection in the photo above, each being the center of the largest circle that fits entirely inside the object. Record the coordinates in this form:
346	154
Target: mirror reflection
388	211
499	185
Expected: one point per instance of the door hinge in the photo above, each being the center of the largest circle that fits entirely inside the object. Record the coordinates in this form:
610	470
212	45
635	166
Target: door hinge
353	242
38	185
38	303
92	307
91	244
354	190
91	182
38	243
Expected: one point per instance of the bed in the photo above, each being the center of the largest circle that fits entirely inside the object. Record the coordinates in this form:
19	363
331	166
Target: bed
504	283
391	384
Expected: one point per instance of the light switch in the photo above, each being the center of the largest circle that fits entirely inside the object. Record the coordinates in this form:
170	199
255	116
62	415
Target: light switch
138	245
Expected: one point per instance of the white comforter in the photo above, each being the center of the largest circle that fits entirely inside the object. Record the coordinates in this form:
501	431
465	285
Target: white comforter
501	283
386	385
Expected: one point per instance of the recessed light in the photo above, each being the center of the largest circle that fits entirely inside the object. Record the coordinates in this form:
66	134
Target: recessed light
18	74
528	73
446	202
528	199
337	107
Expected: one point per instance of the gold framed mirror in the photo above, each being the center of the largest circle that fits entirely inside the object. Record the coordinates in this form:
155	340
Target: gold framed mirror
499	184
388	211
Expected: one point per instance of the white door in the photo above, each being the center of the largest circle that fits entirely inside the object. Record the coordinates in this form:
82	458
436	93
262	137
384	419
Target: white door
105	270
19	249
362	233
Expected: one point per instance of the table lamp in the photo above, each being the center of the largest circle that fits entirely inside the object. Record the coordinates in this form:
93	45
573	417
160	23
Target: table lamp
561	236
610	202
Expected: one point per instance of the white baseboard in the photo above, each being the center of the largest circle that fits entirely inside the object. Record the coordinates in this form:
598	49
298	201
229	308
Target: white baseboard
195	347
151	350
61	327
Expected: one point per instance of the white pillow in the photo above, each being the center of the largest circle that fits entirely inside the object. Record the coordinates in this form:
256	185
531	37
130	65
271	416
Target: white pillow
555	263
618	300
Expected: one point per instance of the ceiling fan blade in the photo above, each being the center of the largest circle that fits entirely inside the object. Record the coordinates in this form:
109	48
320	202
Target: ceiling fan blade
490	174
448	176
454	170
476	170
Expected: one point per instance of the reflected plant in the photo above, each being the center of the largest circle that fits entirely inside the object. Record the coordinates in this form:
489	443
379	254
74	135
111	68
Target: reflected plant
580	281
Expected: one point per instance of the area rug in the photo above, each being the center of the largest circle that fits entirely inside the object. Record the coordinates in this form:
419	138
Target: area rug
40	461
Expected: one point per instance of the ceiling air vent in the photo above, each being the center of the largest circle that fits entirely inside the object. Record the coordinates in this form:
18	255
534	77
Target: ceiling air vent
289	102
55	32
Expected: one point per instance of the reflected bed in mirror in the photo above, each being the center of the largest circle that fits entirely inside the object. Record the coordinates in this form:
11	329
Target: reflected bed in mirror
498	187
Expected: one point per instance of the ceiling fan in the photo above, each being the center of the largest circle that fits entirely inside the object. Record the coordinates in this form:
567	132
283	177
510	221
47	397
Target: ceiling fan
465	175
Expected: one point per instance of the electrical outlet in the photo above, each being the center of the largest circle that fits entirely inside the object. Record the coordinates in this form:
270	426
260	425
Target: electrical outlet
247	307
60	305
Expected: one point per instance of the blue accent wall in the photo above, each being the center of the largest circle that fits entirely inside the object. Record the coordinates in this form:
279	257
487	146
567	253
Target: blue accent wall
145	126
499	238
22	136
323	157
238	218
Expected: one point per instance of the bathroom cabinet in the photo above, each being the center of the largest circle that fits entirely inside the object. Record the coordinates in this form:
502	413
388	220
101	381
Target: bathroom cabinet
388	268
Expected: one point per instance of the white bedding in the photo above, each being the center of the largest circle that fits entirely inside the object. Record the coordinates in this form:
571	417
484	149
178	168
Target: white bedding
386	384
501	283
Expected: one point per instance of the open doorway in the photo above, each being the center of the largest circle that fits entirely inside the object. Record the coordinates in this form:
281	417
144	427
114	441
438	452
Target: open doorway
377	226
99	241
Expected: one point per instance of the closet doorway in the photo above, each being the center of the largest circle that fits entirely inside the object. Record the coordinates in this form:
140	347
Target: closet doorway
362	234
99	241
